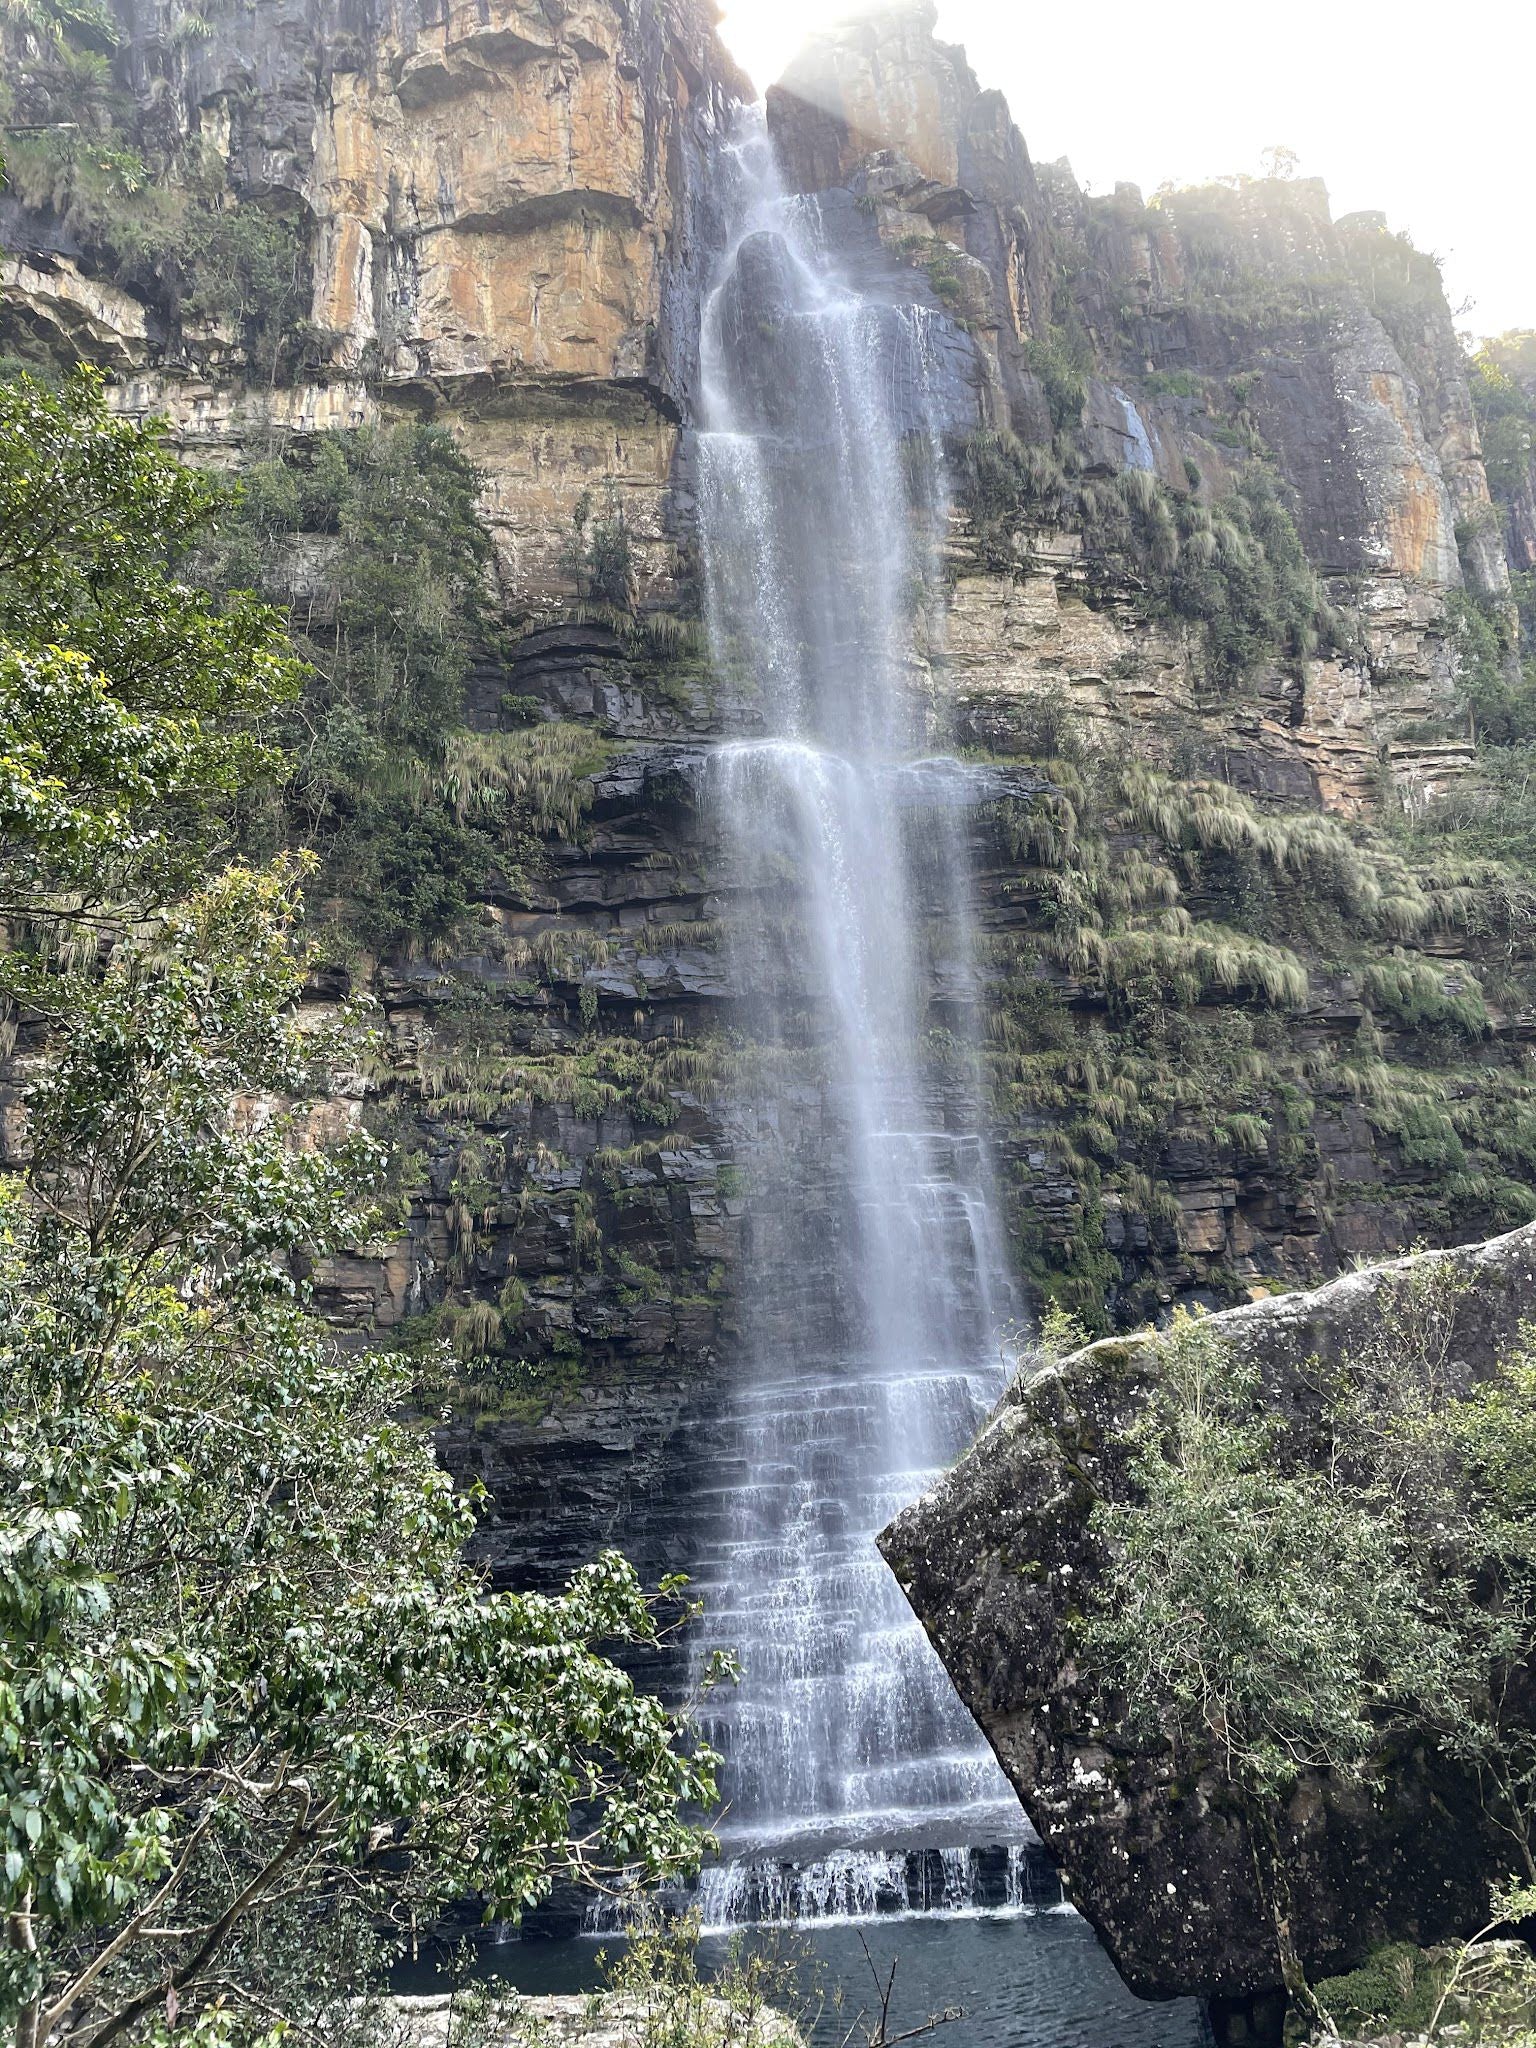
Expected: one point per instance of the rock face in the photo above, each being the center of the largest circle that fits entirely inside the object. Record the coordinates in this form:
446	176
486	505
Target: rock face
1188	342
878	108
1215	325
507	192
997	1560
501	217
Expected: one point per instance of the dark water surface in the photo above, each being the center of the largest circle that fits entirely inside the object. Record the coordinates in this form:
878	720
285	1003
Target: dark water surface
1024	1980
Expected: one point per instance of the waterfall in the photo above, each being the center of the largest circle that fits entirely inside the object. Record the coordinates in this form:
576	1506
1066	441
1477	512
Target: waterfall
1139	453
875	1288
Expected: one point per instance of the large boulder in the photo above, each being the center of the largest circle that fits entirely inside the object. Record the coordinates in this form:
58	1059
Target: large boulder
999	1559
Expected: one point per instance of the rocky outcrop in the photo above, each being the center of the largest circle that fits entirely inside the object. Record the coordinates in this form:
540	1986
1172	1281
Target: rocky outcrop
877	107
437	2021
511	193
999	1559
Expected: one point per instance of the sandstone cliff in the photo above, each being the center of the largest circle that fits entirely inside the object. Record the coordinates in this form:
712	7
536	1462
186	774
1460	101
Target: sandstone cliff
1221	563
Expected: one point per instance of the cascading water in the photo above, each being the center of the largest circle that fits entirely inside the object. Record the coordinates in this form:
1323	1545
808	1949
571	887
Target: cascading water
856	1780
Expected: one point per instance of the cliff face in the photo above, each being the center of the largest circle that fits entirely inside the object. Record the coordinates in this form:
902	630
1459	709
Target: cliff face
1170	354
498	219
1221	559
507	193
491	213
1220	325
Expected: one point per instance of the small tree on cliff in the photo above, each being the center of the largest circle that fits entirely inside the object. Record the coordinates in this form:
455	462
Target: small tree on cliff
255	1710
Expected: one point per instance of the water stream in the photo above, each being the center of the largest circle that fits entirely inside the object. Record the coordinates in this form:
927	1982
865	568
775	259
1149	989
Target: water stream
876	1289
859	1789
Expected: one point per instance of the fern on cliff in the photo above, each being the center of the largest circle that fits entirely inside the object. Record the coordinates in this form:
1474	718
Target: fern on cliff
1236	568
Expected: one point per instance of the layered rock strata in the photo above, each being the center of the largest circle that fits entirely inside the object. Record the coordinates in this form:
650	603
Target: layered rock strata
501	219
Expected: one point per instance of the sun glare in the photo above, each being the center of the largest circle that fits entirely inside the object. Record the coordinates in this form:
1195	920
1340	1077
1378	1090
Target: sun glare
1432	133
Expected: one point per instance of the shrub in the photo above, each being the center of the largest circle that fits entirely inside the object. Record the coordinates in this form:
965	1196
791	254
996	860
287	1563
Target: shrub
1236	569
1061	358
390	516
1281	1596
177	239
598	555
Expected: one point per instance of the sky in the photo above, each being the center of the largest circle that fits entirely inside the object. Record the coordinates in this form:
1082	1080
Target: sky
1383	99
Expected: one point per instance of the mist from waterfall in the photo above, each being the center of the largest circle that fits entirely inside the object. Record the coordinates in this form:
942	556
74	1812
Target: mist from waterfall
875	1287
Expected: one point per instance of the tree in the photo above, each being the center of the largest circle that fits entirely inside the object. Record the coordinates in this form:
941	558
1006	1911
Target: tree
255	1708
130	700
390	611
1266	1616
1286	1598
244	1671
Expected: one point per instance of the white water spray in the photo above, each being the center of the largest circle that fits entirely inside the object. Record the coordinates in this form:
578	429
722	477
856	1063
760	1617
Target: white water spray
875	1282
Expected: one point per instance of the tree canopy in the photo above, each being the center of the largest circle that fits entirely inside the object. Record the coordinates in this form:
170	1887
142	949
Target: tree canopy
131	701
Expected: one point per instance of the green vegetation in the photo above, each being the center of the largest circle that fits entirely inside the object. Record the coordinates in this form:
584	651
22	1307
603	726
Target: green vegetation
152	213
258	1719
398	595
1280	1597
1502	375
1236	569
1485	1994
598	555
1173	384
118	678
944	277
60	23
185	244
1149	997
743	2005
1062	359
1498	710
1397	1986
376	544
